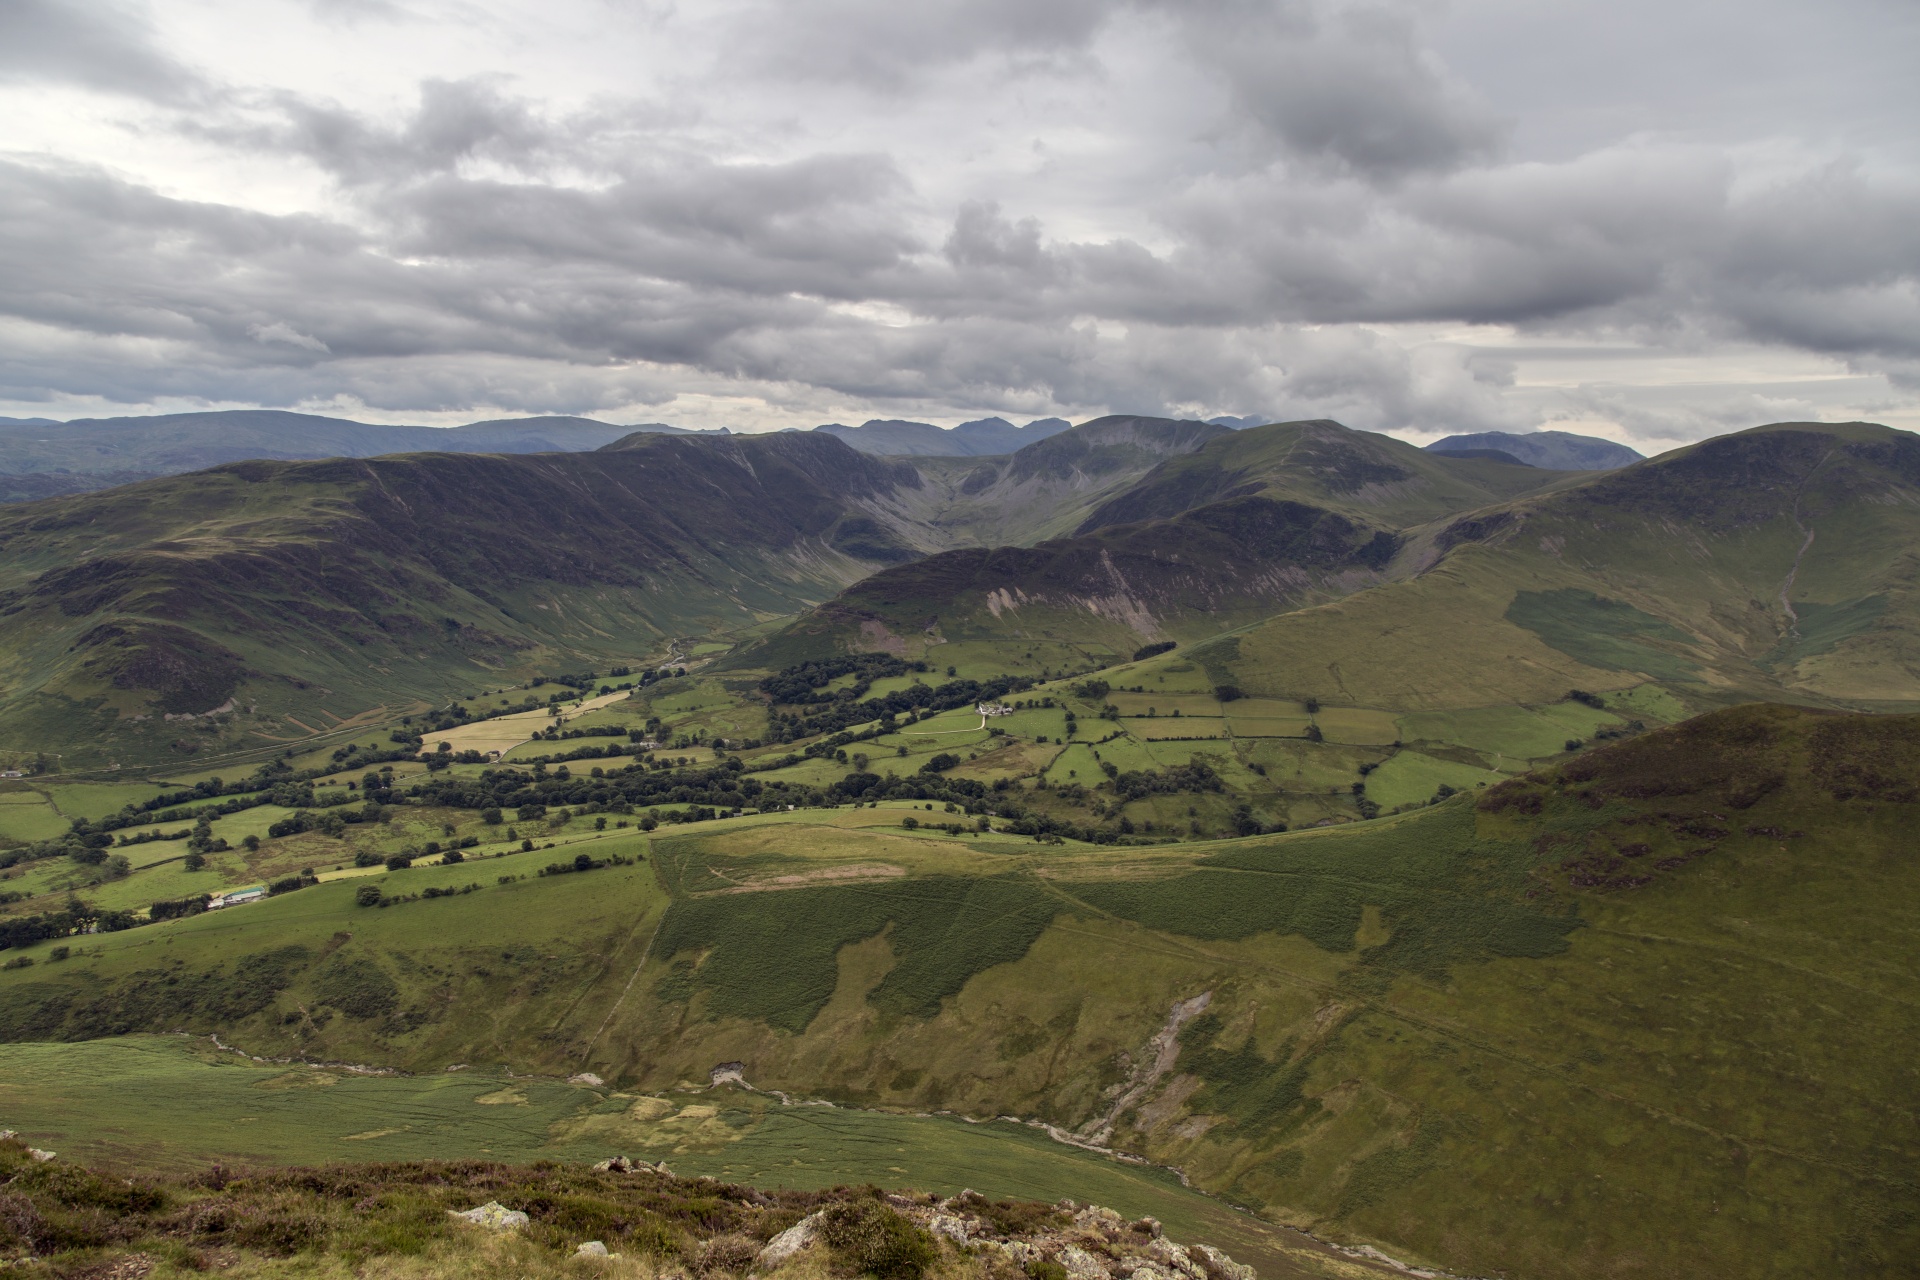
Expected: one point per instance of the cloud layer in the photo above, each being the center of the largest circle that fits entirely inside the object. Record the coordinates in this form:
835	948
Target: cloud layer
775	213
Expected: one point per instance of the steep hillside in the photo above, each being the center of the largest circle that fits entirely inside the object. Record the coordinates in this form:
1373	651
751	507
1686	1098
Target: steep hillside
1372	478
1559	450
1774	562
1211	529
1360	572
1646	1012
293	596
1044	489
1229	562
43	459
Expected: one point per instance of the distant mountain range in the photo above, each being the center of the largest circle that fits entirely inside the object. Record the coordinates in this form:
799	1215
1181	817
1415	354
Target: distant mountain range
1554	450
983	437
1771	564
40	458
408	574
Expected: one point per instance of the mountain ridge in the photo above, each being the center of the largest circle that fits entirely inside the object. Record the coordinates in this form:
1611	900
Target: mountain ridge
981	437
1556	450
49	458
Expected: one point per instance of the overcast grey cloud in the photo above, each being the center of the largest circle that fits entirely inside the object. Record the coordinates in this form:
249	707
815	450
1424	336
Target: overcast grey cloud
760	215
99	45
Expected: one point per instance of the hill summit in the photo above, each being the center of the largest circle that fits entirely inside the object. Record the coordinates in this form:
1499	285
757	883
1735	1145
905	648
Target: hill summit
1554	450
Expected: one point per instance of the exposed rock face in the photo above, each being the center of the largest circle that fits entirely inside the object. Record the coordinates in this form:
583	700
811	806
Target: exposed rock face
791	1241
1088	1242
492	1214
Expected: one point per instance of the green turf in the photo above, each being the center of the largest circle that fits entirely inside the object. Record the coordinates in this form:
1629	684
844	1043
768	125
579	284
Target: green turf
1821	628
25	823
1610	634
770	957
1508	736
1409	777
98	799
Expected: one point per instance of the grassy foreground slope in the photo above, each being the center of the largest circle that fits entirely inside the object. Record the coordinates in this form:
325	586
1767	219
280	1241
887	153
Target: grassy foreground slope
401	1219
1646	1013
169	1105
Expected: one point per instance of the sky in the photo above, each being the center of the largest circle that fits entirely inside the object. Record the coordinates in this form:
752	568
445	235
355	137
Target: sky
1649	221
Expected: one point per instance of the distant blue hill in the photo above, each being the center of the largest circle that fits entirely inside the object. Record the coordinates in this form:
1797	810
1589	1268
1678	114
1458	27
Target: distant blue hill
41	458
1552	450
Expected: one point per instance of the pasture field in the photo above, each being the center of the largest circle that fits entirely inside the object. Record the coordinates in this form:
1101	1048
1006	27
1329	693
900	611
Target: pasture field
1242	727
1075	763
1408	777
1514	735
1357	726
1175	728
26	816
170	881
97	799
1164	704
503	732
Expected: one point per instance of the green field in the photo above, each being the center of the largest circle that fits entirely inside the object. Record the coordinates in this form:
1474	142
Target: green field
1408	777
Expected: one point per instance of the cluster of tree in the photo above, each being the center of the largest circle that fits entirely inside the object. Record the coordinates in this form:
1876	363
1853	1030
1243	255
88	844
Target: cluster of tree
592	731
1137	784
582	682
275	782
584	862
333	820
148	837
179	907
802	685
372	895
915	701
78	917
530	791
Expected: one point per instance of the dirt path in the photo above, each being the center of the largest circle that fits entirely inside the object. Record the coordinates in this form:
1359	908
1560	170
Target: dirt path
941	733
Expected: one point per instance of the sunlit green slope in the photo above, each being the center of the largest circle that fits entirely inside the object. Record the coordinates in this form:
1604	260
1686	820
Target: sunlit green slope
1644	1013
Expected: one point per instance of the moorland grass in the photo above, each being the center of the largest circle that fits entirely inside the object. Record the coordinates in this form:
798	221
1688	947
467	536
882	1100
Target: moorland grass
1409	777
772	957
